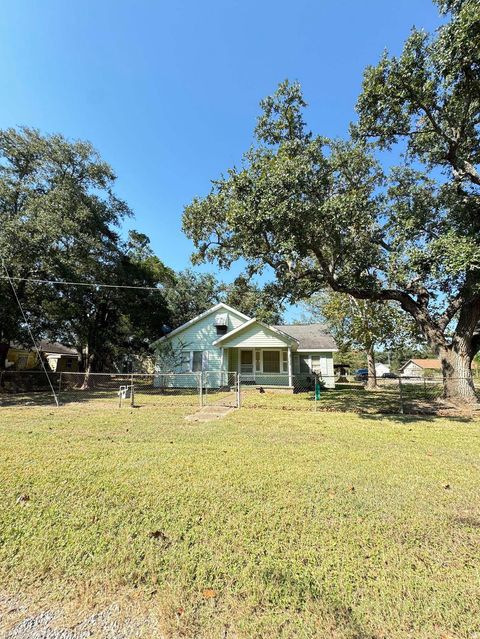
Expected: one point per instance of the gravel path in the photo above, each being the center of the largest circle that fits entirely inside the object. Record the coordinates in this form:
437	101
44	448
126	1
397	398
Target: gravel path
16	622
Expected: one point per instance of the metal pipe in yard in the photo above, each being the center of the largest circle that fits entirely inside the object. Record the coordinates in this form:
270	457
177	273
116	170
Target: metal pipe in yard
401	394
239	391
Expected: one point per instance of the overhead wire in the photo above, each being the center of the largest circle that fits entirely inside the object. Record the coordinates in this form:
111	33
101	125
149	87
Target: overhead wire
27	323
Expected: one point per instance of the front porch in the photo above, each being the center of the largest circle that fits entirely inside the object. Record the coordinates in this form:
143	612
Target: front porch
267	367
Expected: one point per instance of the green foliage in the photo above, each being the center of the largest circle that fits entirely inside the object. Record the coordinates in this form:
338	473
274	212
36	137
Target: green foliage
190	294
253	300
323	214
361	324
59	216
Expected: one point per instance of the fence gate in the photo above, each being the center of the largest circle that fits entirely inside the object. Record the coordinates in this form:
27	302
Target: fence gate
220	389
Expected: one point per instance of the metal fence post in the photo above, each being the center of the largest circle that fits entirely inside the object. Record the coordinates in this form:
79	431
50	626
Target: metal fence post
60	383
239	391
132	393
200	388
400	389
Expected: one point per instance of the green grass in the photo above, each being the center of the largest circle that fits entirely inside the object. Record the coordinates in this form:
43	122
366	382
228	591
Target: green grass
304	525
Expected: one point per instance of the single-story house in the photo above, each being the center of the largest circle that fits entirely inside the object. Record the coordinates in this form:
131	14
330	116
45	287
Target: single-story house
20	357
420	368
381	369
58	357
223	340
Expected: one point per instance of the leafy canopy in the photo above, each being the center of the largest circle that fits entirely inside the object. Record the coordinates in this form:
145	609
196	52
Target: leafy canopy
324	214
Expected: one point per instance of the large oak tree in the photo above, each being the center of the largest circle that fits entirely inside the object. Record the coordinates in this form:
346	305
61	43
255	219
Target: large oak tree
324	214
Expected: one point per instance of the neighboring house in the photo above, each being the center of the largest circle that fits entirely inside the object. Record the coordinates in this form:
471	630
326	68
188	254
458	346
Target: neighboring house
58	357
223	340
20	358
420	368
381	369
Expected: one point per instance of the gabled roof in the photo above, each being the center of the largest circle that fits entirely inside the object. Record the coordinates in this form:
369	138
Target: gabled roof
310	336
214	309
424	363
272	329
48	347
56	348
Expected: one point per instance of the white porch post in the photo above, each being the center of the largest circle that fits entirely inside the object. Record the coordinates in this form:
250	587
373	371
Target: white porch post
222	366
290	383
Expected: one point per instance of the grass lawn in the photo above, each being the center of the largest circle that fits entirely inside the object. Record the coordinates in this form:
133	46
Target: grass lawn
268	523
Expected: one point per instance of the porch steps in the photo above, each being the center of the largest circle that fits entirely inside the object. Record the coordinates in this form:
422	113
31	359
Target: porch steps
209	413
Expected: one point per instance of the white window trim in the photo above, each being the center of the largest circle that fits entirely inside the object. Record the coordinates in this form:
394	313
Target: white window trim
204	360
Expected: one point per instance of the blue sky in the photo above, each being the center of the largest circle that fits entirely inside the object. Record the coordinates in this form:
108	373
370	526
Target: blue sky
168	92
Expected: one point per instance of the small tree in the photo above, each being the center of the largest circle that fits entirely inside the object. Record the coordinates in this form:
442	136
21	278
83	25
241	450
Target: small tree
360	324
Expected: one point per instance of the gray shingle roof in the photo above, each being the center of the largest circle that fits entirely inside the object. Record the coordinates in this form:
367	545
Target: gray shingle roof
57	348
314	336
47	347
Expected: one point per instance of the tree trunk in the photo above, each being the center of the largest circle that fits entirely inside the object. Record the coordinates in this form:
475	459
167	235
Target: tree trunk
458	386
88	369
372	373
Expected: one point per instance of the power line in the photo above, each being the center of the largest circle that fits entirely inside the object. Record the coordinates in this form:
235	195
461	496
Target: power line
29	330
66	283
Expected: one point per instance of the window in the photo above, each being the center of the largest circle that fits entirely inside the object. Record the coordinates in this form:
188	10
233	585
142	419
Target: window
304	363
197	361
258	361
271	361
285	361
316	363
221	329
69	362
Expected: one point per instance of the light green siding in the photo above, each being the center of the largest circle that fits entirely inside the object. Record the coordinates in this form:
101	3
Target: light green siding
200	337
256	336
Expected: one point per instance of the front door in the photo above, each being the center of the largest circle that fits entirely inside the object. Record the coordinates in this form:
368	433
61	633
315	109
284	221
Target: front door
246	362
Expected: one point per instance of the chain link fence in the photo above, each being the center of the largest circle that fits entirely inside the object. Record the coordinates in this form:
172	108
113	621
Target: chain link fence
383	395
392	395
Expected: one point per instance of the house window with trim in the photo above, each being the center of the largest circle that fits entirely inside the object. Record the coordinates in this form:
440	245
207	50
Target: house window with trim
271	361
285	361
197	361
258	361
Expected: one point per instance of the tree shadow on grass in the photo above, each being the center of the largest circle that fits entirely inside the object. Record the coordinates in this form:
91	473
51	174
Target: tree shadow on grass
413	418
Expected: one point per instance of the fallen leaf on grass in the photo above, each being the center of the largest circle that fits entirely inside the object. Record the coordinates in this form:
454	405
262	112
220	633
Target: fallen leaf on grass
159	535
209	593
21	499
